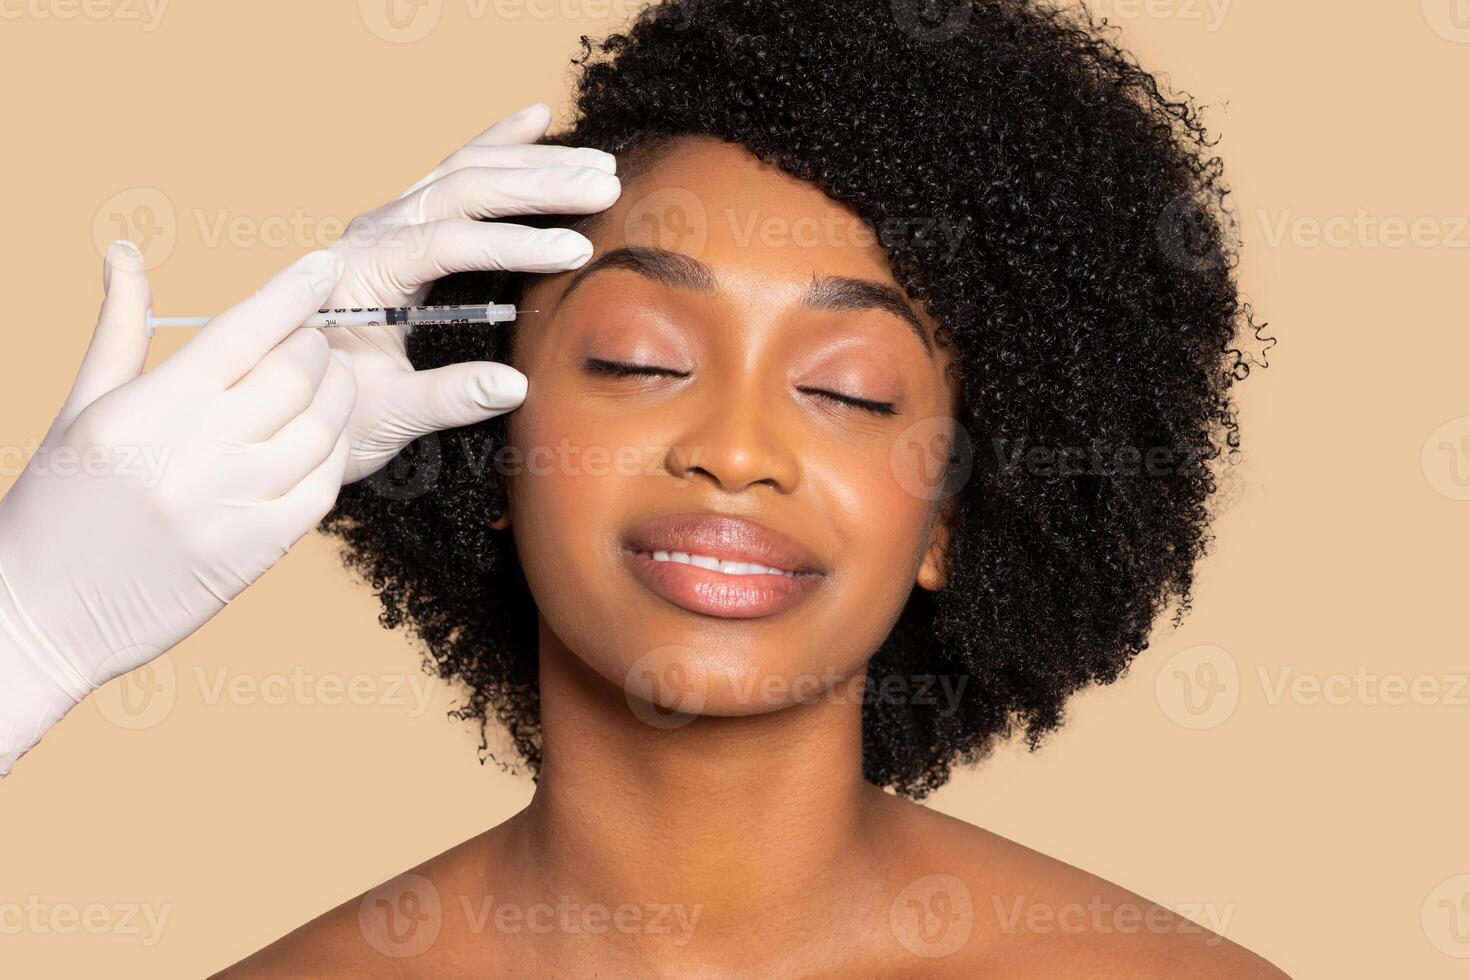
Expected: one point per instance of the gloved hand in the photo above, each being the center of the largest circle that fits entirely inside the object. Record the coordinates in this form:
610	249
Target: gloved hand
157	498
395	253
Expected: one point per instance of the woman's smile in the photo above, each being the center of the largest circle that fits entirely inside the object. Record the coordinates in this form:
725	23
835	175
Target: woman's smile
723	566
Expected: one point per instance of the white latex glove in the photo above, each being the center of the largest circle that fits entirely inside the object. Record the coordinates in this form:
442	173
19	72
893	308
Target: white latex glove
395	253
157	498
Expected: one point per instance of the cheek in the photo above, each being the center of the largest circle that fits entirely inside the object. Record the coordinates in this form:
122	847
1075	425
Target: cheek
882	523
557	482
577	472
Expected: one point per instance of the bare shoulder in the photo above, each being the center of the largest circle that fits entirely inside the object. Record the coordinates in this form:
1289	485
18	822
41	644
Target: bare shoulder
961	902
993	904
400	928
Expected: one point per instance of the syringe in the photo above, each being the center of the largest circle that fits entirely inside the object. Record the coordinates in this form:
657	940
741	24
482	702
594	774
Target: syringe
377	316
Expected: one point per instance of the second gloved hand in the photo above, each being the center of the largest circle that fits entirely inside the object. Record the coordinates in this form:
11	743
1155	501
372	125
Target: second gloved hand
157	498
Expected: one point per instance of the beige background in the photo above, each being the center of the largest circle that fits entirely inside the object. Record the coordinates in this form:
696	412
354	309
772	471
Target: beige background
281	760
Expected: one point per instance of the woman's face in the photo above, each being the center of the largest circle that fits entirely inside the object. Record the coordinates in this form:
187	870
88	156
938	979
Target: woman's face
733	378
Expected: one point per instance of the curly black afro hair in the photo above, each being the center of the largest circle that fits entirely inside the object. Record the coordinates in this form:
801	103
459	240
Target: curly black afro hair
1092	304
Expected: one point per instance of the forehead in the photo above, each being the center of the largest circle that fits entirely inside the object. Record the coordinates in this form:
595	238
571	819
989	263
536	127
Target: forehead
749	221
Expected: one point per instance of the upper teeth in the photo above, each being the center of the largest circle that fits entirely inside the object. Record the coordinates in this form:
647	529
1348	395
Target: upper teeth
718	565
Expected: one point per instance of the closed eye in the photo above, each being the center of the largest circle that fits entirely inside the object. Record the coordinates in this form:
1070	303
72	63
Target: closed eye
877	408
623	369
620	368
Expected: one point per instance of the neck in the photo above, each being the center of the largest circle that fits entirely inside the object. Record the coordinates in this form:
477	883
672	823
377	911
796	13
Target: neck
740	818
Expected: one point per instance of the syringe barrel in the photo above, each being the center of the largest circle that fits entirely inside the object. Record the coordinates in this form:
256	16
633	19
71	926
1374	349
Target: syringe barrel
482	313
372	316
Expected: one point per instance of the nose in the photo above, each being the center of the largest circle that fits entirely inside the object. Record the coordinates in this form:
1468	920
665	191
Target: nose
733	437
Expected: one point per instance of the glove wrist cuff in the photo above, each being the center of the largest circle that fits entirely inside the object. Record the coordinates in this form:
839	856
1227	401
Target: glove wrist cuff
26	642
30	700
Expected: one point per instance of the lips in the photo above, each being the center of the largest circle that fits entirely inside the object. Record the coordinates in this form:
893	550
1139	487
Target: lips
722	566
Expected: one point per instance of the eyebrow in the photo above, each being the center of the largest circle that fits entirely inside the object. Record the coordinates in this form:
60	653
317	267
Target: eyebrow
678	271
